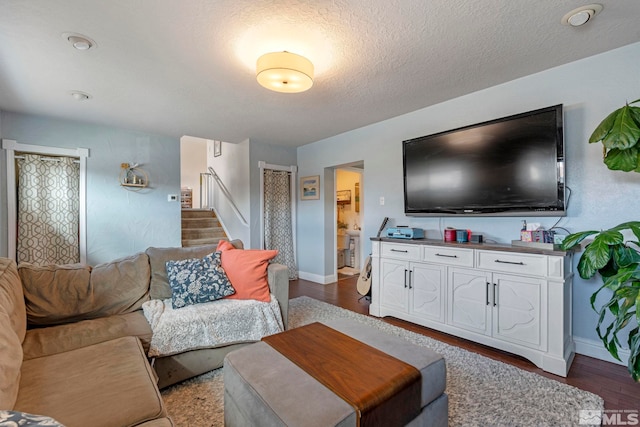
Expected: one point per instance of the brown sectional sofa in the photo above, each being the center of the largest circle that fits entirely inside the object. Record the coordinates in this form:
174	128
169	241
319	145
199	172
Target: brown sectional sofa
74	340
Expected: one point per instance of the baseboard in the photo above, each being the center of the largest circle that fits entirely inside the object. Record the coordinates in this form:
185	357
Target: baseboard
323	280
596	350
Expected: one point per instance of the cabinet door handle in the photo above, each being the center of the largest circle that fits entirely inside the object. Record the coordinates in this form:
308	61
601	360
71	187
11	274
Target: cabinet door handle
509	262
486	293
495	302
405	277
410	278
447	256
398	250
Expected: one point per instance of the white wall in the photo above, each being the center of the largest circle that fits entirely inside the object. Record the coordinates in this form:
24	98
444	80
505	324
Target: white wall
232	166
589	89
119	222
193	161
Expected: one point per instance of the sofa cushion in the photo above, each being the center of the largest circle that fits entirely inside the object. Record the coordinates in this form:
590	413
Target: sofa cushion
247	271
57	294
106	384
197	280
41	342
12	297
12	332
121	286
10	364
158	258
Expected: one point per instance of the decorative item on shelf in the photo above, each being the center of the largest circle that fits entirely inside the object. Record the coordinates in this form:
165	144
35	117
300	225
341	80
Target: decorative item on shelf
132	177
450	234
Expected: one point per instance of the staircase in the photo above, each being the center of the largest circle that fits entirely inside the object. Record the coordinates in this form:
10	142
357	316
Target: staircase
200	227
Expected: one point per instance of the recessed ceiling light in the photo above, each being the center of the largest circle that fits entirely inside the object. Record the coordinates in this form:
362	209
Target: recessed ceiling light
79	95
79	41
581	15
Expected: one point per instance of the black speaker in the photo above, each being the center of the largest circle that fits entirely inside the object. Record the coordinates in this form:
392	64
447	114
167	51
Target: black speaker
476	238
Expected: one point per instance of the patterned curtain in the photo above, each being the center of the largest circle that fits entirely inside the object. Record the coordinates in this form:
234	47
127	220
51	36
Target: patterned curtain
278	227
48	210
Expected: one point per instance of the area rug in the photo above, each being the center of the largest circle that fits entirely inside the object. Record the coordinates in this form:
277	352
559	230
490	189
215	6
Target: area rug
481	391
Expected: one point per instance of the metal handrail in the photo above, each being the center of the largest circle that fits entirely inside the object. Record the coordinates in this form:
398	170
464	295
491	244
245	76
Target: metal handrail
228	195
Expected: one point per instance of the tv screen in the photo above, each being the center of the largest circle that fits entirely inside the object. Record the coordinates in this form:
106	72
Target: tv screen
512	166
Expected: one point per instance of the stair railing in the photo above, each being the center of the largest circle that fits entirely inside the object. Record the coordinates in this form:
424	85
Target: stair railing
223	188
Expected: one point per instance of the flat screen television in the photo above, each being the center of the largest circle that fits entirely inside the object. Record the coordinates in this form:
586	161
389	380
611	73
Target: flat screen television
512	166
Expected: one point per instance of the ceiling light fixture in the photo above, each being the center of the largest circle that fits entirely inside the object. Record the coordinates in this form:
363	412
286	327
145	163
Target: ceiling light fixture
79	96
78	41
581	15
284	72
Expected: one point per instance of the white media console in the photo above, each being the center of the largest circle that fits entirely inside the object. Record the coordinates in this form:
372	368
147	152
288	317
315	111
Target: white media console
516	299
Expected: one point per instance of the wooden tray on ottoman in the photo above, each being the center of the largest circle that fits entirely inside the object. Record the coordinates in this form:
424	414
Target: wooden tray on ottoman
337	373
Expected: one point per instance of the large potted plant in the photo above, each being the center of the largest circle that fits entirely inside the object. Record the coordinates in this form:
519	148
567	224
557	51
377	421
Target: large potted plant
609	254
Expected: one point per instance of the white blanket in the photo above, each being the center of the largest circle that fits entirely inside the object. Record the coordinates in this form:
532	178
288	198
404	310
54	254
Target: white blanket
209	325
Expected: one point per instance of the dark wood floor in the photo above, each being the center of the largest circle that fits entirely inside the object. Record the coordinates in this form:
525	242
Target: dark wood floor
610	381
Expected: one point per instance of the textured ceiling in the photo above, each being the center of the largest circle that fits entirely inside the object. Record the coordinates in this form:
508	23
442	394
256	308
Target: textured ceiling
188	67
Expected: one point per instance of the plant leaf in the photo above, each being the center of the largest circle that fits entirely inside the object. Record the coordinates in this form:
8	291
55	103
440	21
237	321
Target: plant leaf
604	127
596	255
625	132
635	114
625	256
625	160
634	353
610	237
573	239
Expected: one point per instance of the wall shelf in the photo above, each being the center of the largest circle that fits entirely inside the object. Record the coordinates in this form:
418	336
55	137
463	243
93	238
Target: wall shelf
133	177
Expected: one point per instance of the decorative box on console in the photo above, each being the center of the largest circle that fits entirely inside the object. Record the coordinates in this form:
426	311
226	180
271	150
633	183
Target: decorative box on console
542	236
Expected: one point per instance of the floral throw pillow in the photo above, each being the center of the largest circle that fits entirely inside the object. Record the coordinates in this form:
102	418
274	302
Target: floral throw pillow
23	419
195	281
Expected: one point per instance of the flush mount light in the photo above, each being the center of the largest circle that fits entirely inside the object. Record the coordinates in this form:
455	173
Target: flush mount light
78	41
581	15
284	72
79	95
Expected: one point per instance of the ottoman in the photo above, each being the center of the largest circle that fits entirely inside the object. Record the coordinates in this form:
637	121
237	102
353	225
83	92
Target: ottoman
263	387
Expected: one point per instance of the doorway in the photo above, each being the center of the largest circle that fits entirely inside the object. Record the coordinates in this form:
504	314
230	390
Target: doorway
349	214
39	182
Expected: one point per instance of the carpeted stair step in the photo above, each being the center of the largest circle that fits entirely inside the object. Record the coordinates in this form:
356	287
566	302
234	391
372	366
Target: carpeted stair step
197	213
203	233
200	242
200	227
200	223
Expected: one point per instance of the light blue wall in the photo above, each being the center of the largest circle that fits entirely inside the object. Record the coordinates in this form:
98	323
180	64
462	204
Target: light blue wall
119	222
589	89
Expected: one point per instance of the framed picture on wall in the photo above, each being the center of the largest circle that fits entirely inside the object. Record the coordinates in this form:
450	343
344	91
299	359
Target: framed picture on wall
310	187
343	197
217	148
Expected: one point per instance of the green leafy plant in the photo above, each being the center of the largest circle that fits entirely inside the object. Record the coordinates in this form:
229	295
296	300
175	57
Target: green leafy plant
618	263
620	134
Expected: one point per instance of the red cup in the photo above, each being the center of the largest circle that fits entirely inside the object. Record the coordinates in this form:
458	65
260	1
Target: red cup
450	235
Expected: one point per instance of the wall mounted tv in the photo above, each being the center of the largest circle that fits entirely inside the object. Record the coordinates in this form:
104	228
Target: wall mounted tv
513	166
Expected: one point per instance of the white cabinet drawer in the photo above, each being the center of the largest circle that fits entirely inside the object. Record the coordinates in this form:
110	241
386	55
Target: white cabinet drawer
450	256
400	251
527	264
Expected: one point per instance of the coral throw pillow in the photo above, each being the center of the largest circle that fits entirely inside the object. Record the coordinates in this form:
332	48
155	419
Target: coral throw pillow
247	271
